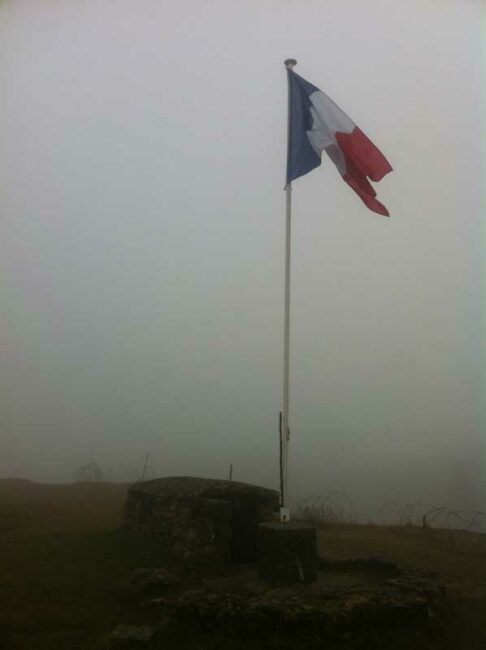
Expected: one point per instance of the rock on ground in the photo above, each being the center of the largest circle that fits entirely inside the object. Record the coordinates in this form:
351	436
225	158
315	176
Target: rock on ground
130	637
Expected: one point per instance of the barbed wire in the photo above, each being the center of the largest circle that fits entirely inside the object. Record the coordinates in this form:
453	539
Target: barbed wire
338	507
438	515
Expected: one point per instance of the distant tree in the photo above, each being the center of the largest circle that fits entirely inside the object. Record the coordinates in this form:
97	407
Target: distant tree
90	472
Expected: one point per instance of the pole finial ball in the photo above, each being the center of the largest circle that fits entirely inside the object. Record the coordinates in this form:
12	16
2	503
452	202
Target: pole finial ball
289	63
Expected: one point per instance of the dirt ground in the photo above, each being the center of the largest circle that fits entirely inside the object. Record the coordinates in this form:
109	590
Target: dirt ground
64	559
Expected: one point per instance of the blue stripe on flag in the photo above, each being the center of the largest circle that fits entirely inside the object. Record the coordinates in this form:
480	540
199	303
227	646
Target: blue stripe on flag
301	157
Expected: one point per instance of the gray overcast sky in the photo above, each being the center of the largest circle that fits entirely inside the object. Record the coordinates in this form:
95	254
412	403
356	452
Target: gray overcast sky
142	231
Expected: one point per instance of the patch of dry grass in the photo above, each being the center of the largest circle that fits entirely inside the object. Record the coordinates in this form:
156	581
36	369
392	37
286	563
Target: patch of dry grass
72	507
60	556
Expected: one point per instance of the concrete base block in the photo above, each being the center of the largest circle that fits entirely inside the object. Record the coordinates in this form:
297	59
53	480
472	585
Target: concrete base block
287	553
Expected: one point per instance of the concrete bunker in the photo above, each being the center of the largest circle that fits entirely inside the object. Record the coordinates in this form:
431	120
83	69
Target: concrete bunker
202	519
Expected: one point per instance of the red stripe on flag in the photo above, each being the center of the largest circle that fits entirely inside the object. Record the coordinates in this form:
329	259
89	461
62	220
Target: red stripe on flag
367	196
363	160
366	156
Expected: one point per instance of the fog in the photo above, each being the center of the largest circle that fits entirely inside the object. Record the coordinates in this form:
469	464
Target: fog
142	166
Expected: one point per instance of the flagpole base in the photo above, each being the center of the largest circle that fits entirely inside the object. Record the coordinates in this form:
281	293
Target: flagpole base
287	553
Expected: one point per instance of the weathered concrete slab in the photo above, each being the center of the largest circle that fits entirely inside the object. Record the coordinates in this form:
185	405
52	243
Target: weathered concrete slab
201	519
356	599
287	553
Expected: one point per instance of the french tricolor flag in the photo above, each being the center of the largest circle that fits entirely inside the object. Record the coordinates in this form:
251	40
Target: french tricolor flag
316	124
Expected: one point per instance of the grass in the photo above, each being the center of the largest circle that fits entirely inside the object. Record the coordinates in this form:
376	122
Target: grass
62	555
64	560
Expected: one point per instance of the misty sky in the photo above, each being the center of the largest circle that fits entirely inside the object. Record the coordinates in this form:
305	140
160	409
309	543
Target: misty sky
142	164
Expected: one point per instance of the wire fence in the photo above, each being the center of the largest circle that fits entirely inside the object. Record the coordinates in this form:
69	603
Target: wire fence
429	515
338	508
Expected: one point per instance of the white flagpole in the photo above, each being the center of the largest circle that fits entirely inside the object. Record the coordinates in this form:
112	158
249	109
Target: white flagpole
284	511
